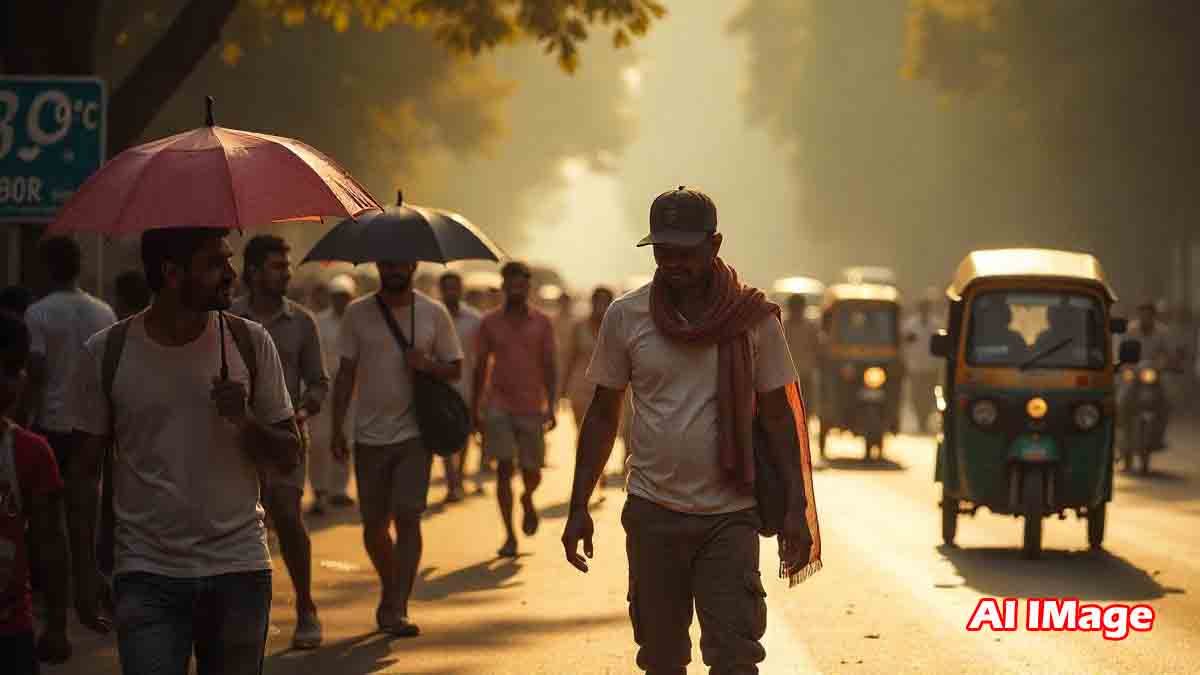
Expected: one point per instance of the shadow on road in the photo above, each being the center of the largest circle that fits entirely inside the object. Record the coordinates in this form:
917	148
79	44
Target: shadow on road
427	655
487	575
1001	572
859	464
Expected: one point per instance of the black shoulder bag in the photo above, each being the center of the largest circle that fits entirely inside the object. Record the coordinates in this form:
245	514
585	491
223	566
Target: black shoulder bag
442	414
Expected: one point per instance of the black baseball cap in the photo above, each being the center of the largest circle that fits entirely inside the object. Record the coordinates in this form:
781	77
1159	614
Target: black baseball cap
681	217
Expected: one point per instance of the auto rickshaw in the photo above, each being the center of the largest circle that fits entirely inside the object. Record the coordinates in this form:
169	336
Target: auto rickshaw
812	290
1029	409
860	363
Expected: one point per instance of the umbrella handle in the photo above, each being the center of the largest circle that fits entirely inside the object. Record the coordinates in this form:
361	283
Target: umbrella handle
221	339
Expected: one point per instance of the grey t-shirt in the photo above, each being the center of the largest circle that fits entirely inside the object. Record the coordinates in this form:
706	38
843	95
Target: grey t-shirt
673	459
186	500
59	324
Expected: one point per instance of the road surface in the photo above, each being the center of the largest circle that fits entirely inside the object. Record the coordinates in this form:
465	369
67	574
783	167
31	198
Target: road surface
889	600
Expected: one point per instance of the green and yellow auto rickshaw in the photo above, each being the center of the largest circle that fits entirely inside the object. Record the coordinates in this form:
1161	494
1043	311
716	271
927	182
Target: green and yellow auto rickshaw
1029	408
860	363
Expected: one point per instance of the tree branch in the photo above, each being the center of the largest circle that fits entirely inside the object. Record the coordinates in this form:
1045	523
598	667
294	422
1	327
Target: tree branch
163	69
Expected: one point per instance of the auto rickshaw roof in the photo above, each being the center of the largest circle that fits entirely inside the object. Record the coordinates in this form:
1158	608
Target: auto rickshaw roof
798	286
1027	263
865	292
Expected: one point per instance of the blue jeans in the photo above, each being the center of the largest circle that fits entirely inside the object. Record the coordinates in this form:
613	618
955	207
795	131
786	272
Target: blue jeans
161	620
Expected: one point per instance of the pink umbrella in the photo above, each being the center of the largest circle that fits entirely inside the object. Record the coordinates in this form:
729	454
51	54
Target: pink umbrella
212	177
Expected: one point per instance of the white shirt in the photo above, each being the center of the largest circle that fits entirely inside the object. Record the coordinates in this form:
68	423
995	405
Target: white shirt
59	324
466	324
917	358
673	460
385	415
186	499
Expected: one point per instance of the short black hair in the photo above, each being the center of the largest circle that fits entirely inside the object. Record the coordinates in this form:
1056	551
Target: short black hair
14	342
63	258
176	245
257	250
450	275
132	290
15	299
515	269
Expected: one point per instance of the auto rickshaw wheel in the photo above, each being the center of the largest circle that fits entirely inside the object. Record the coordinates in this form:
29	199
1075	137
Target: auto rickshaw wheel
871	441
1031	508
949	518
822	440
1096	517
1145	455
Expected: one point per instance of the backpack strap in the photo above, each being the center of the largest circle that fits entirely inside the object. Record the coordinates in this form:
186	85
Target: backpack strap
114	344
240	331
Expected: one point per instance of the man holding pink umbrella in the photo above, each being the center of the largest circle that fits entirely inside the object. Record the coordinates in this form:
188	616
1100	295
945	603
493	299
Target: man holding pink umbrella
191	399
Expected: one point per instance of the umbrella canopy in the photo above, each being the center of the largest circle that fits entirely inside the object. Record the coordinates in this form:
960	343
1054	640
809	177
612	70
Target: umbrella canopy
212	177
405	232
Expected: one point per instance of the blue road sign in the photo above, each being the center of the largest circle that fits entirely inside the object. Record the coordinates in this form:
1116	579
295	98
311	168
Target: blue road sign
51	139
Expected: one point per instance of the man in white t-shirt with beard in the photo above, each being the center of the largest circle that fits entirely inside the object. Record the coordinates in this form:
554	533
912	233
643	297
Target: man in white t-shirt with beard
192	570
391	464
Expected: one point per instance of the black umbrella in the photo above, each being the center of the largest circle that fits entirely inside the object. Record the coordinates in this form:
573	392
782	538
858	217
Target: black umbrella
404	232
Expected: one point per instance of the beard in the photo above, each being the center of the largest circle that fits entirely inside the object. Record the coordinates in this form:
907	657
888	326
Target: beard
197	298
396	282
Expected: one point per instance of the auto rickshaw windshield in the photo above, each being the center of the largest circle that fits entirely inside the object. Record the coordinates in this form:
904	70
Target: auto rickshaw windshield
865	325
1036	330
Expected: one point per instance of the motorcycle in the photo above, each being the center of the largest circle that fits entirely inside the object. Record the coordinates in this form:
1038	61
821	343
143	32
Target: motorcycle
1145	413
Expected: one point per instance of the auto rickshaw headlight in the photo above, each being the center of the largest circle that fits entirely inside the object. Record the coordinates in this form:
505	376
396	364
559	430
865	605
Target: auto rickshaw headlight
984	413
874	377
1037	408
1087	416
1148	375
1128	376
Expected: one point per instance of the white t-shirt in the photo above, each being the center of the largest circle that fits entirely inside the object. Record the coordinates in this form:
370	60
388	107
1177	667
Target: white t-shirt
466	324
186	500
59	324
917	357
673	460
385	414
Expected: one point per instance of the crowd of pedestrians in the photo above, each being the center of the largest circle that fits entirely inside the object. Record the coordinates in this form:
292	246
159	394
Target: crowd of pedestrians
147	452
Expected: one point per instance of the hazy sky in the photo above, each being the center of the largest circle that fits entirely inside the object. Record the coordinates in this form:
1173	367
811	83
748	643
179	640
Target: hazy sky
691	129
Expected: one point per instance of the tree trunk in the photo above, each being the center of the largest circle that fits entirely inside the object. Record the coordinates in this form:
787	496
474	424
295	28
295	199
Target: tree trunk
163	69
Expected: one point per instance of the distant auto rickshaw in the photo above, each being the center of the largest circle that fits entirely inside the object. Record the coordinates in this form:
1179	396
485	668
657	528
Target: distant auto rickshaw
869	274
811	289
1029	409
860	363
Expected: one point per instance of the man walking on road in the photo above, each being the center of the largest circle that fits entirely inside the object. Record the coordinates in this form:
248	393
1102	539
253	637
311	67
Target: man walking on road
518	339
268	271
391	464
58	324
703	355
467	320
922	367
330	477
192	569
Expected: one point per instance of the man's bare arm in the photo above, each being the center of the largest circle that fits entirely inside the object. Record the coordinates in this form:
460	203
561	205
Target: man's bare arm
596	439
343	391
82	497
776	413
481	371
49	529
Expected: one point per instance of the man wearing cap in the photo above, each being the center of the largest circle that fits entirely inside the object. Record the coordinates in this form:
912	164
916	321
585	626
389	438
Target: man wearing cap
921	367
330	477
704	355
466	323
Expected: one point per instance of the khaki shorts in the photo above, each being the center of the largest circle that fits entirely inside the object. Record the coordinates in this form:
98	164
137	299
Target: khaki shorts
271	478
519	438
393	480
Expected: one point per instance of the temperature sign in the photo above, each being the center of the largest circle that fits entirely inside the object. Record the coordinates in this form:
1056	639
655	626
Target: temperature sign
51	139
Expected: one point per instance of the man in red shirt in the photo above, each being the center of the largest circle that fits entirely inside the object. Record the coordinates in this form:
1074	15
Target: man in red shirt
518	342
30	493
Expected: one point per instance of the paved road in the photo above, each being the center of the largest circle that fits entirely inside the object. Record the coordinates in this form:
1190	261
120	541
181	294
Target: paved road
889	600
